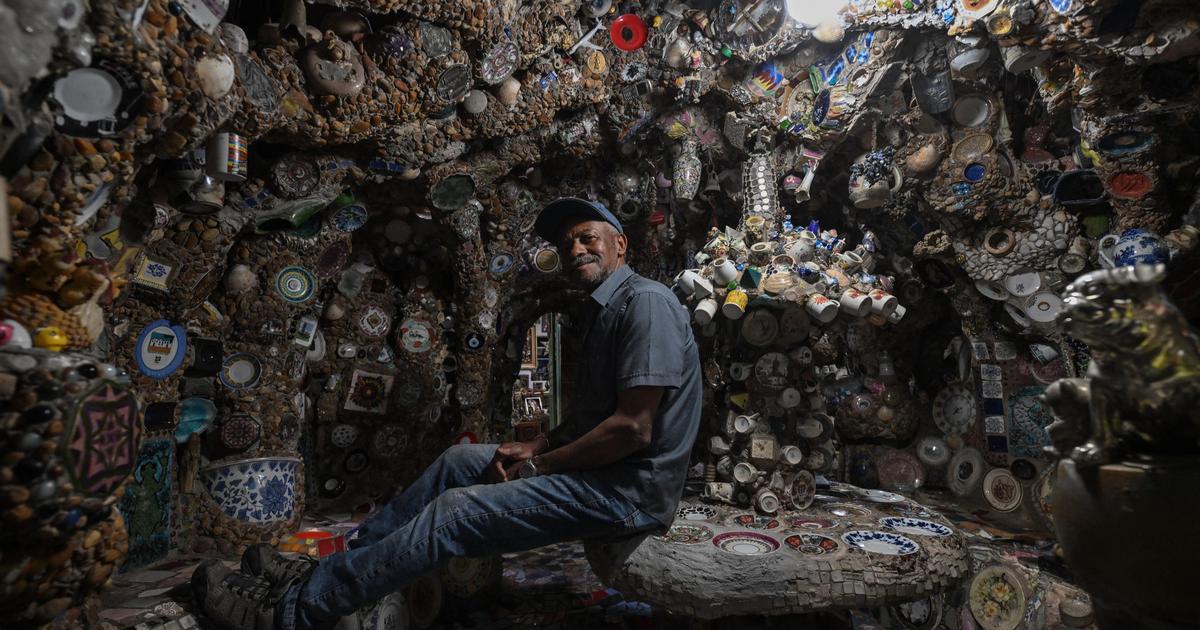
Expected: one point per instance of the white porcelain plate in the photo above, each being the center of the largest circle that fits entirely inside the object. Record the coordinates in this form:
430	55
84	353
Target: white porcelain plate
88	94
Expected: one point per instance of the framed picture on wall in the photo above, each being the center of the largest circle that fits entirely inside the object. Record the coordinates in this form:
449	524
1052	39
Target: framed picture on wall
543	325
528	358
533	405
539	386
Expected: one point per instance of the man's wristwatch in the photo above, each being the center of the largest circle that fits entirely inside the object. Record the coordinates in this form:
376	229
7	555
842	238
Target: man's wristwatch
528	469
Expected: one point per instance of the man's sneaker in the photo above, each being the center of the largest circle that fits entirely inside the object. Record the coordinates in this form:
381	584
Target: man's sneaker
233	600
264	561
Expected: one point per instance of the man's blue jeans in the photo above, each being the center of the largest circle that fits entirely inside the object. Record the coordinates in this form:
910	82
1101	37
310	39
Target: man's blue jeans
450	512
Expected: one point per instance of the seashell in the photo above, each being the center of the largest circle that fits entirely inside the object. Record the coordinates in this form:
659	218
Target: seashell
829	33
924	160
241	278
216	75
509	91
234	37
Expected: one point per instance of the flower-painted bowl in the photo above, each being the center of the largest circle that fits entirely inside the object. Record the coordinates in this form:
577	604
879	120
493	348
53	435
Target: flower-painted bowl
261	490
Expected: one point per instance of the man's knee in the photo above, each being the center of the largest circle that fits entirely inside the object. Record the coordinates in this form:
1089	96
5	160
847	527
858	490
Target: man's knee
468	454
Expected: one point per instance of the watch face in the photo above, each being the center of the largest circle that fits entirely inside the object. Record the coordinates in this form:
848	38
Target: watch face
955	410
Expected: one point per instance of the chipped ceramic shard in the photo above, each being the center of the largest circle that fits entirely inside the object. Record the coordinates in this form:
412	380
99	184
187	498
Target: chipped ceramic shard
333	67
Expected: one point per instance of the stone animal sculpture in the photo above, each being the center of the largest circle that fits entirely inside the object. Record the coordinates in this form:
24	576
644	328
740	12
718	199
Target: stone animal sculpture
1142	391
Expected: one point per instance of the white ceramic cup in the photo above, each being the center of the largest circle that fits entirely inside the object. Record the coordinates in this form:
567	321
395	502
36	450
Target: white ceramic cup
718	446
791	455
724	271
854	302
897	314
821	308
850	261
686	281
739	371
744	472
883	303
705	311
718	491
745	424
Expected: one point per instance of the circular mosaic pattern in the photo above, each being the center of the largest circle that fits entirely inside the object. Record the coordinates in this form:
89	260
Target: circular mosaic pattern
296	175
240	371
416	336
389	442
295	284
813	544
239	433
374	322
500	264
695	513
499	62
885	543
343	435
746	543
688	534
756	521
350	218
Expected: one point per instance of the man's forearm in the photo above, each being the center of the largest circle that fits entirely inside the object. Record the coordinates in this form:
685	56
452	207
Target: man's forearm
608	442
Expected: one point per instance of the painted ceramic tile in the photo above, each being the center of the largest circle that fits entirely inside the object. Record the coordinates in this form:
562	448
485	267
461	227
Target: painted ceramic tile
146	505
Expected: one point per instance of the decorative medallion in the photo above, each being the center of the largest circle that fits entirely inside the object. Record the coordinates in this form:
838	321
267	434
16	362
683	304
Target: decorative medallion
915	526
885	543
160	349
240	371
745	543
454	83
435	40
368	392
773	370
546	260
760	327
474	341
997	598
295	284
965	471
295	175
343	435
1028	419
499	62
689	534
1002	490
331	261
416	335
101	443
374	322
155	272
695	512
500	264
389	442
240	432
813	544
350	217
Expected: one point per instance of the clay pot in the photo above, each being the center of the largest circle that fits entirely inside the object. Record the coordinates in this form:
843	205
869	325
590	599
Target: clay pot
1097	509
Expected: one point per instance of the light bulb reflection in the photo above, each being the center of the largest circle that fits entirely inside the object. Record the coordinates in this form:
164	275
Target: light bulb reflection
813	12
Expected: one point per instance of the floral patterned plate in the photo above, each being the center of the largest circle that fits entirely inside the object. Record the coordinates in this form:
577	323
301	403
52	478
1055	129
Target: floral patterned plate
885	543
915	526
687	534
997	598
746	543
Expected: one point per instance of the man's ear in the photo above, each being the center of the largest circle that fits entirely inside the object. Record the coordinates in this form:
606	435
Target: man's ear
622	244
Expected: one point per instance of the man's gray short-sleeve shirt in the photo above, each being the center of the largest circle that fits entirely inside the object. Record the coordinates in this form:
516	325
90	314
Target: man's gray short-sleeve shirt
638	334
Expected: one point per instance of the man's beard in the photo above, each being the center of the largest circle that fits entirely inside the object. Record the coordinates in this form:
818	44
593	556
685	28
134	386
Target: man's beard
589	283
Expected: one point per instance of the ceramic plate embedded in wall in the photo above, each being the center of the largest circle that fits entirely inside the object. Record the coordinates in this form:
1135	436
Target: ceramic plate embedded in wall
885	543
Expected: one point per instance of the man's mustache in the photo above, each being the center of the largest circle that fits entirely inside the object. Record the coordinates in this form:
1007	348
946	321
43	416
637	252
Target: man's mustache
583	260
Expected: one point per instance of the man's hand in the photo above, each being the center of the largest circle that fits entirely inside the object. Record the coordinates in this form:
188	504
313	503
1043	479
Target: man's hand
510	455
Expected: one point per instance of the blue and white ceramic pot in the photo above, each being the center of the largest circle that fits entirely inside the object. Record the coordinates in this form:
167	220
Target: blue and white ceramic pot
256	491
1134	246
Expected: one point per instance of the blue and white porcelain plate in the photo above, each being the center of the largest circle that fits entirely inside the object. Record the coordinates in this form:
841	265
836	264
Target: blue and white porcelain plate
295	284
915	526
350	218
885	543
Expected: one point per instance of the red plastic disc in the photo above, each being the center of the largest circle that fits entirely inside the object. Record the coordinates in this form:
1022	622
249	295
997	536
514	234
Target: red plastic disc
466	437
628	32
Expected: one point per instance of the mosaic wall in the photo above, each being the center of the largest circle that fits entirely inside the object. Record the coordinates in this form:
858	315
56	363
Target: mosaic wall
260	261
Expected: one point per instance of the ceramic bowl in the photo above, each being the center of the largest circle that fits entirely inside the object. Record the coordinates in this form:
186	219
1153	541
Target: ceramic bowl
256	491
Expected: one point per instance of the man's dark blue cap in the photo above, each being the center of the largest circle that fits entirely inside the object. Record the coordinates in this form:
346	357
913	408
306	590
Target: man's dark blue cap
554	216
